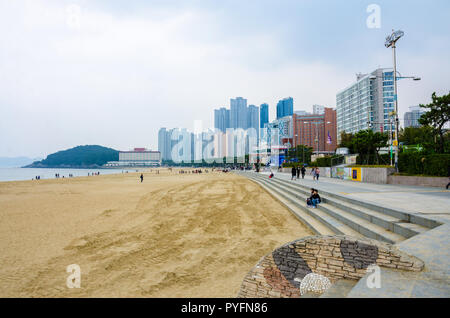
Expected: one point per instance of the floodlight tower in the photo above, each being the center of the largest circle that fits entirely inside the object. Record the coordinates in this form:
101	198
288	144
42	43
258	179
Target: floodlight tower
391	41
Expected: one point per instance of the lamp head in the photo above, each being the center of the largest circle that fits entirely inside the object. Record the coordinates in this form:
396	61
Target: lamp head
393	38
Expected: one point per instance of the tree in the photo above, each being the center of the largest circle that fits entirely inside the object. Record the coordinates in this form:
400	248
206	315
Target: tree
437	116
422	136
346	141
367	143
300	153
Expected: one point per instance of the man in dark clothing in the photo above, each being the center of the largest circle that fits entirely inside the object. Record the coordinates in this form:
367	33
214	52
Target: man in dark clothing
142	177
294	172
303	172
298	173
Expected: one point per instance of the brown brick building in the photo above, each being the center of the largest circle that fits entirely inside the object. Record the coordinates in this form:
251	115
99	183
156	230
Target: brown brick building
308	127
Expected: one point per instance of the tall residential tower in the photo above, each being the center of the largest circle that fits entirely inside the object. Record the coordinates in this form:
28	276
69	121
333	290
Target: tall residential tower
367	103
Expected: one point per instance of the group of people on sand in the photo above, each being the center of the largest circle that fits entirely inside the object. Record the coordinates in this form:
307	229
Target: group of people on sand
193	171
95	174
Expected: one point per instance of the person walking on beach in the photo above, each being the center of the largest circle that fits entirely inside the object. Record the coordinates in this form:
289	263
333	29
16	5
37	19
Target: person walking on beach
317	174
294	172
142	177
303	172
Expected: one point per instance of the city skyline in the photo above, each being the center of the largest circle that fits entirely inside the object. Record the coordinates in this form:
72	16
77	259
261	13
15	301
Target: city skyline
99	72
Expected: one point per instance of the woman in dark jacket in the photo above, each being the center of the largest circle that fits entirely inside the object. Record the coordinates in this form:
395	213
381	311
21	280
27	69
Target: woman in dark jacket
294	173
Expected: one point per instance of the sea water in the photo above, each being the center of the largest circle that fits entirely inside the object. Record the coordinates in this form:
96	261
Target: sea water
19	174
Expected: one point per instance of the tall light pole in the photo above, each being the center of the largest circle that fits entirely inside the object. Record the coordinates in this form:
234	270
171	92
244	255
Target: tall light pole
391	41
398	77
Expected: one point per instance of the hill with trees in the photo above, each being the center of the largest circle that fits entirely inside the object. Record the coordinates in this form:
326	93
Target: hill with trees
91	156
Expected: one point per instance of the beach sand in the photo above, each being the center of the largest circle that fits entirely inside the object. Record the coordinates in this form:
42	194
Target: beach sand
174	235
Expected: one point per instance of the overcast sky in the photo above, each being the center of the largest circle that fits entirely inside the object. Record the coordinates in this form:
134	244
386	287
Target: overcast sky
113	72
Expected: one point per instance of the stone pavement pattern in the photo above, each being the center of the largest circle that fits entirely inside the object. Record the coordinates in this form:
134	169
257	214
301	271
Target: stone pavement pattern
336	257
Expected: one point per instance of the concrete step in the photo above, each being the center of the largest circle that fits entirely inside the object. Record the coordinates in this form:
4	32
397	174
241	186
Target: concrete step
339	289
388	222
336	226
314	225
366	228
343	222
404	216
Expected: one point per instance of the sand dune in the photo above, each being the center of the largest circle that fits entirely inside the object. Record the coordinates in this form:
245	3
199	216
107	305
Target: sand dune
171	236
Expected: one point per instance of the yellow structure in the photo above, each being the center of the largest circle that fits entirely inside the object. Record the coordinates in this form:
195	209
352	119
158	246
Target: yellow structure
356	174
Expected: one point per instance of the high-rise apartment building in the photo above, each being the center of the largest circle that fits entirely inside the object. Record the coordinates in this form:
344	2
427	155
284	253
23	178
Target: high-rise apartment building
285	107
164	143
318	109
238	113
222	119
175	144
253	119
263	115
367	103
411	118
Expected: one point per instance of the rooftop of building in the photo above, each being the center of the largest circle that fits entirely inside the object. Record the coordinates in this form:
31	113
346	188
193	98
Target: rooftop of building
360	77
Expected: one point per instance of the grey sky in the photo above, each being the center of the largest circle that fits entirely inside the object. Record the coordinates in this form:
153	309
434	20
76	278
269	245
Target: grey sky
118	71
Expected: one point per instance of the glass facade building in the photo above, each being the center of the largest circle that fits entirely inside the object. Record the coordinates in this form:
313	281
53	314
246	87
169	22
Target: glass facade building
222	119
412	117
238	113
253	117
285	107
263	115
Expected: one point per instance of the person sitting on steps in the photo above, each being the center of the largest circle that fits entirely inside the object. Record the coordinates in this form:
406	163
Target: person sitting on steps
314	199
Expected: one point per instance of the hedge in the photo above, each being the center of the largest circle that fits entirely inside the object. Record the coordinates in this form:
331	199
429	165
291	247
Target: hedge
326	161
383	159
292	164
417	163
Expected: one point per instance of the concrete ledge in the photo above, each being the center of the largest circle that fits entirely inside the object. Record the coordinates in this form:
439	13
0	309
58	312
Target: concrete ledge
434	281
438	182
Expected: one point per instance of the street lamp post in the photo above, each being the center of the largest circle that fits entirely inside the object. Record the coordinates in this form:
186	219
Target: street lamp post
391	41
397	77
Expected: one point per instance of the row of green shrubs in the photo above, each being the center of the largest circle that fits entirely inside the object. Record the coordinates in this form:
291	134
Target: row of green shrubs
292	164
409	163
383	159
430	165
326	161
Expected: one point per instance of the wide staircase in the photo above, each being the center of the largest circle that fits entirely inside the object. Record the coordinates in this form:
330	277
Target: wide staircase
340	215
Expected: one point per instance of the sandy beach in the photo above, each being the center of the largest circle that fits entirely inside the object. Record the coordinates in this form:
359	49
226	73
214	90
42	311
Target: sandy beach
174	235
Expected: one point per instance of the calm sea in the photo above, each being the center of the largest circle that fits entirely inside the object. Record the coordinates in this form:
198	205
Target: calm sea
18	174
